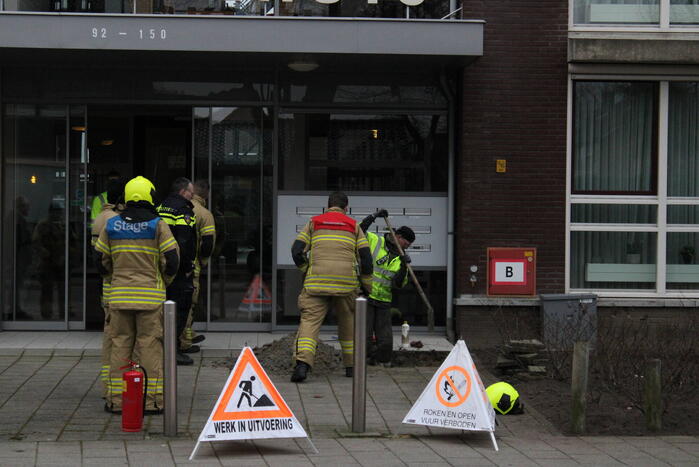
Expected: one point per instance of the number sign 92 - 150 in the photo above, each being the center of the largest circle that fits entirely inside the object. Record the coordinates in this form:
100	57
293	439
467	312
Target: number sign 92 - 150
148	34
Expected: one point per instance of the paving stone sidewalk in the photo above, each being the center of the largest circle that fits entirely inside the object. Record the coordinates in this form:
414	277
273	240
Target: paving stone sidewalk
51	414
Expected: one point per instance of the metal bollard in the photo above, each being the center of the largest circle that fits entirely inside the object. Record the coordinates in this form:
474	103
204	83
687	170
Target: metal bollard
359	380
170	370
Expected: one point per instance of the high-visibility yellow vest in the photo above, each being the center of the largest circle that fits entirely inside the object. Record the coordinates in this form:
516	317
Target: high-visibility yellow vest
98	203
384	269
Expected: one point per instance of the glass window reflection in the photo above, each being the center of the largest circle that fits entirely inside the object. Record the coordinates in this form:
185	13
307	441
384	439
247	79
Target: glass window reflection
363	152
34	227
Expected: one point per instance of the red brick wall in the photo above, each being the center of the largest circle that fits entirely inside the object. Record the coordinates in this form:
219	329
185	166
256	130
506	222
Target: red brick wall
514	108
486	327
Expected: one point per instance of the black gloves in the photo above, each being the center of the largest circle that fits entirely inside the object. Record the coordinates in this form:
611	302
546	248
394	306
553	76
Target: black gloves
406	259
381	213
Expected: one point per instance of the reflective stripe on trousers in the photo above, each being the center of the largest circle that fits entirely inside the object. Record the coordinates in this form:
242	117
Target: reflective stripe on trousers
347	347
313	310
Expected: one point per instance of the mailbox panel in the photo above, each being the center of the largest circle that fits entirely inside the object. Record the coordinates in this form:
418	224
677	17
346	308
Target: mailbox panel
426	215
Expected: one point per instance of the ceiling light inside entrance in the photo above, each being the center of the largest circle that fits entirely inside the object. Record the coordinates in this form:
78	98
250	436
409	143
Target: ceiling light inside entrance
303	65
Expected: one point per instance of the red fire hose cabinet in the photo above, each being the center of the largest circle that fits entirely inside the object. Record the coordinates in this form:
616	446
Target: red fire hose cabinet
512	271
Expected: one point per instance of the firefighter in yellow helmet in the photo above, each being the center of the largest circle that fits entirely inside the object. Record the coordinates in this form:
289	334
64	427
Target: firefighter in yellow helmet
504	398
113	206
332	252
138	251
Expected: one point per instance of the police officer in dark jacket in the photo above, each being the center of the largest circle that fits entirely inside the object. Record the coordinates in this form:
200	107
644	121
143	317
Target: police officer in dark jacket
177	211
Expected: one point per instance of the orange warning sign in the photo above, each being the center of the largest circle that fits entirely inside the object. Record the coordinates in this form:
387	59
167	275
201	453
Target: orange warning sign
256	395
249	407
452	386
258	295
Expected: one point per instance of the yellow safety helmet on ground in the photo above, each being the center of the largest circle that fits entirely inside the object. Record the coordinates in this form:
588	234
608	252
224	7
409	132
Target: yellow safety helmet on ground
504	398
139	189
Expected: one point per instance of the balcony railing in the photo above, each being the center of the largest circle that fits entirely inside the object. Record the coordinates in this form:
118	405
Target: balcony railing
643	13
427	9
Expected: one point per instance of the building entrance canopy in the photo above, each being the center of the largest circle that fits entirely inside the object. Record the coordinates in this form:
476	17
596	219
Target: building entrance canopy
461	40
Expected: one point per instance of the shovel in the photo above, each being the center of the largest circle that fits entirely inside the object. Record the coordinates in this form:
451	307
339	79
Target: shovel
430	310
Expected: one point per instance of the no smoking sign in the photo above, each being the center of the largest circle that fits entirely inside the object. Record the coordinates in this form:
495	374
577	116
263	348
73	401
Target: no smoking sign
453	386
455	397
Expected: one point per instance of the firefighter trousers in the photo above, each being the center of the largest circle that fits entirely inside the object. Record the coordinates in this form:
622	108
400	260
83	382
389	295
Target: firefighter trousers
137	334
313	310
106	354
188	334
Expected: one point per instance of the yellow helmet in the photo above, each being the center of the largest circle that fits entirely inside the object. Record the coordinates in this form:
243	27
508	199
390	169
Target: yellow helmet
139	189
504	398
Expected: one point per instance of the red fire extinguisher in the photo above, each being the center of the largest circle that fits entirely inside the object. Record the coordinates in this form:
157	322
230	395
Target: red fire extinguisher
133	399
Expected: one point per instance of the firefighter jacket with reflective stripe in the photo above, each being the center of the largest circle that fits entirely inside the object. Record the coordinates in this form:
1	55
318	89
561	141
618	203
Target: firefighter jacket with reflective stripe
108	211
134	255
100	221
387	267
178	213
337	255
206	232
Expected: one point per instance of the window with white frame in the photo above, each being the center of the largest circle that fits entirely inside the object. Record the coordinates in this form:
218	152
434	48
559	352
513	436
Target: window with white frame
644	13
634	213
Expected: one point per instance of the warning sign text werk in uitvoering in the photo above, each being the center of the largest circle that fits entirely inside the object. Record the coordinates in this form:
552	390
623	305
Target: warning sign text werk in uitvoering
250	426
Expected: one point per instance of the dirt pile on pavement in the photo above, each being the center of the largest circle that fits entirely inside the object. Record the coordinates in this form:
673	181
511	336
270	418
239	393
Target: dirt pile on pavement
276	357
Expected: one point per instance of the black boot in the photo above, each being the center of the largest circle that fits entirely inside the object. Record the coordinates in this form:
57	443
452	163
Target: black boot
198	338
110	409
183	359
349	372
154	411
300	372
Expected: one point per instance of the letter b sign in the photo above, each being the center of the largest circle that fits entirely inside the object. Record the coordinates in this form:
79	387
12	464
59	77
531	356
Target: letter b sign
509	272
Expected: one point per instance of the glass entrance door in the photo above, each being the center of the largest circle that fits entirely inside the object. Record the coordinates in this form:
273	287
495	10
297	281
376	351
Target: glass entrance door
124	142
232	149
43	241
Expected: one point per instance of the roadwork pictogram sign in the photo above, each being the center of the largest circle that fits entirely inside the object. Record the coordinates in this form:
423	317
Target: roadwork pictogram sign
455	397
257	298
249	407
